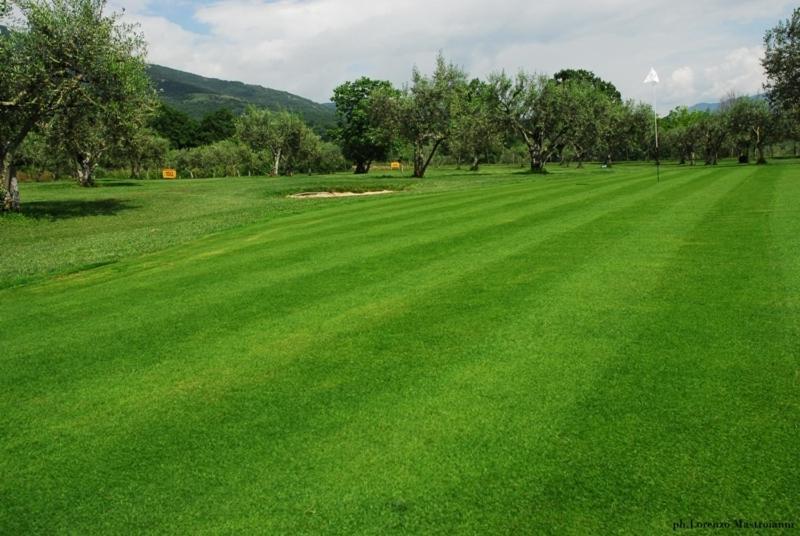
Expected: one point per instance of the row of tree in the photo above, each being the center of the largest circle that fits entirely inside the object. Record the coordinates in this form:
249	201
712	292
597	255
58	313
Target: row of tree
257	143
741	125
573	115
74	93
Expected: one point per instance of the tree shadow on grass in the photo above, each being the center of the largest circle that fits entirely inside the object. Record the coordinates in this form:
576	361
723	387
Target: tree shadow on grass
63	210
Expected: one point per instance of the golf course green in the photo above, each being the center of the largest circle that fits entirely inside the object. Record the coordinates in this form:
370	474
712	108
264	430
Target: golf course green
586	352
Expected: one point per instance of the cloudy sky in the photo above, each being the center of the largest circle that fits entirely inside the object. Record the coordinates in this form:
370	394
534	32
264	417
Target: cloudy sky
701	48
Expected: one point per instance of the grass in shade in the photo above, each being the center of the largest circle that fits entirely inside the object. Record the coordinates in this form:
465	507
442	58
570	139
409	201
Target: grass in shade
590	352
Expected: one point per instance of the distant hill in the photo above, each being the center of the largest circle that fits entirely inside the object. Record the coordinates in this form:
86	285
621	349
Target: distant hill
705	107
714	106
197	96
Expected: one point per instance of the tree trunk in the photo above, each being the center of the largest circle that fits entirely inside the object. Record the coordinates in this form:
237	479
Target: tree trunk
476	163
420	162
277	165
362	168
85	171
761	158
579	157
537	163
10	187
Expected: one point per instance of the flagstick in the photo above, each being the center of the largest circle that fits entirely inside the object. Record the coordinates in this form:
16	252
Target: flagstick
652	78
655	113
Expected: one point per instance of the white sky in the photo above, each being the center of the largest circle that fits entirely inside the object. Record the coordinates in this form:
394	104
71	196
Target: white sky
701	48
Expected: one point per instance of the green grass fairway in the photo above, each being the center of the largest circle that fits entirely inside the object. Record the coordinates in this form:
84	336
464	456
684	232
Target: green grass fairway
589	352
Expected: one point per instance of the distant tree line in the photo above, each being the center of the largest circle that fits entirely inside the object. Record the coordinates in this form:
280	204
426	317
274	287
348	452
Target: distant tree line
573	116
75	96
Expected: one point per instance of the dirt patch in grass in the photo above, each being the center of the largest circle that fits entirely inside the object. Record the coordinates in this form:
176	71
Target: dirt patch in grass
319	195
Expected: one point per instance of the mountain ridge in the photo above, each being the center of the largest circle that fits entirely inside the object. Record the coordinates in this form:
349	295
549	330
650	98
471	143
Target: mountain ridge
197	96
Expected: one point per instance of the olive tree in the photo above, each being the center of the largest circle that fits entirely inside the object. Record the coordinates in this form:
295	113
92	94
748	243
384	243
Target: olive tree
782	64
290	143
66	64
427	111
477	128
749	124
540	109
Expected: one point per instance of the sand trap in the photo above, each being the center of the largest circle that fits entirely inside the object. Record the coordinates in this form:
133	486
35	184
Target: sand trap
318	195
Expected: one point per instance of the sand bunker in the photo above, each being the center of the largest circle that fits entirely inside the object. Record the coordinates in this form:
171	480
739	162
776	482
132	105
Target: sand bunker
318	195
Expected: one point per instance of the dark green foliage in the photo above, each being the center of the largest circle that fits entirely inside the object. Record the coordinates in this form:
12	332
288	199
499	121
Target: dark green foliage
360	132
782	64
588	77
750	123
216	126
477	125
176	126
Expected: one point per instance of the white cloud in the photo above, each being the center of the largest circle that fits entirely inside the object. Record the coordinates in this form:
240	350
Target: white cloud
681	84
309	46
739	72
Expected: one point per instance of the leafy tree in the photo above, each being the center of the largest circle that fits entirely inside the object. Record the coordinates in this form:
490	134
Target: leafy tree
330	159
95	118
216	126
63	59
477	129
427	111
682	132
782	64
628	132
38	158
539	109
141	150
226	158
749	124
712	134
588	77
288	140
363	136
179	128
589	117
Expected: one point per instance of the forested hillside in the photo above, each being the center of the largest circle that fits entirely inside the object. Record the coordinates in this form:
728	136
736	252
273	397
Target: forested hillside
198	96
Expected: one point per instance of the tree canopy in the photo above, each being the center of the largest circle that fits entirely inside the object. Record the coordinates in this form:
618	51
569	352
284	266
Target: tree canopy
363	137
69	67
782	64
588	77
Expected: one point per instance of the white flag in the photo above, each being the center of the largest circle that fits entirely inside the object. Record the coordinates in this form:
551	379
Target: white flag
652	78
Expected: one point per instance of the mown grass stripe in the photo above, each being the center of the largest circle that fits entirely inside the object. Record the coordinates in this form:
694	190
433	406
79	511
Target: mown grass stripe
145	296
679	192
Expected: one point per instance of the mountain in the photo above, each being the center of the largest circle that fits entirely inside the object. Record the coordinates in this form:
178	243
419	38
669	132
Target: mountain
705	107
198	96
714	106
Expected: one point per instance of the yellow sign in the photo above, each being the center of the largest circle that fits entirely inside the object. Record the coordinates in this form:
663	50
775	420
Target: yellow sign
396	166
169	174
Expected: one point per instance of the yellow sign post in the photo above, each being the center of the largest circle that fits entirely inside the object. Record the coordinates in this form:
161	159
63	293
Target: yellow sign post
396	166
169	173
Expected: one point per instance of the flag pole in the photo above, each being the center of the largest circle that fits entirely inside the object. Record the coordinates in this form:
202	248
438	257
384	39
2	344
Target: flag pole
652	78
655	113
